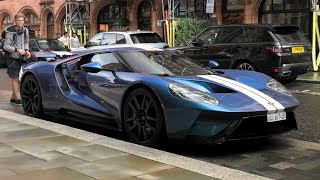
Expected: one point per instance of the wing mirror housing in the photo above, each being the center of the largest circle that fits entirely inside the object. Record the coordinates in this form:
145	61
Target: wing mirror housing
213	64
92	67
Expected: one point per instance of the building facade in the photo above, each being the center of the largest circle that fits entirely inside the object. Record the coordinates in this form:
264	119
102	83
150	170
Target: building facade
45	18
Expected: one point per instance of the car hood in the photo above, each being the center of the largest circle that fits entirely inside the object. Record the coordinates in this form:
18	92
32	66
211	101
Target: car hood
226	78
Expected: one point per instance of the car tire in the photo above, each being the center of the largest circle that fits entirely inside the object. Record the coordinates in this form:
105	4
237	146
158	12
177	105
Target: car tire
31	97
143	118
245	65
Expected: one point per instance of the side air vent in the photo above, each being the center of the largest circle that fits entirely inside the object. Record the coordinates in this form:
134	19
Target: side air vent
61	79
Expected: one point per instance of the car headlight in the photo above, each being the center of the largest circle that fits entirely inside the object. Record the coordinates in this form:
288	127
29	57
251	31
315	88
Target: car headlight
278	87
191	94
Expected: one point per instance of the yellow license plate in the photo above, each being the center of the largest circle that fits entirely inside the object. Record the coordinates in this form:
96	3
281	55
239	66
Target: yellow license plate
298	49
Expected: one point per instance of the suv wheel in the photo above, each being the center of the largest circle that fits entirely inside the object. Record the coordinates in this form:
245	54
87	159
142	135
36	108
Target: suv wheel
246	66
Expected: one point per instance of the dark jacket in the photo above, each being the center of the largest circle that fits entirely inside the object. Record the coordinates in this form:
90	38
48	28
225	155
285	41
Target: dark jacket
15	40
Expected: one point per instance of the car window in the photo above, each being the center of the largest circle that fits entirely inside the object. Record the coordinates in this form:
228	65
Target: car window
33	46
109	61
162	62
208	36
289	35
230	35
43	44
146	38
254	34
121	39
109	39
96	40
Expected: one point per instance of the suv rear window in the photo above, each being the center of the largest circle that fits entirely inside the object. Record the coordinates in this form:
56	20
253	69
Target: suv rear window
289	35
146	38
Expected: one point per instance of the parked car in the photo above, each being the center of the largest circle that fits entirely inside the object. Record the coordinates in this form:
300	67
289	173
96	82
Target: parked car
104	39
280	51
150	94
48	49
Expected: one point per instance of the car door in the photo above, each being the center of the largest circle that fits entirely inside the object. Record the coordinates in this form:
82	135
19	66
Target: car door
227	47
105	86
198	49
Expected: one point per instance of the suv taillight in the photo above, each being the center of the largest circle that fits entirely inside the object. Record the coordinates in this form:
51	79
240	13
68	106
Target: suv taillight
275	49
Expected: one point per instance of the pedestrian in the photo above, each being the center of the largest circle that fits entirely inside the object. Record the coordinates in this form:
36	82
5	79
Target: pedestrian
65	39
75	41
17	44
58	35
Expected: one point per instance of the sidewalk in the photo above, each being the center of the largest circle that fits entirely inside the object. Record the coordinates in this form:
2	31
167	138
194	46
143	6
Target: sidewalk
310	77
36	149
30	152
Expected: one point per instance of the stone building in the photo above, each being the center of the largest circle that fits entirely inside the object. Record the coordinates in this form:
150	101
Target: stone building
46	17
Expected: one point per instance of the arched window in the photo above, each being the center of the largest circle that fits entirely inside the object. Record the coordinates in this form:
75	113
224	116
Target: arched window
144	15
191	9
112	17
50	26
33	24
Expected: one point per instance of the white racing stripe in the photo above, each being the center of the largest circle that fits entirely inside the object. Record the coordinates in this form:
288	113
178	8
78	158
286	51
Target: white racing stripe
266	101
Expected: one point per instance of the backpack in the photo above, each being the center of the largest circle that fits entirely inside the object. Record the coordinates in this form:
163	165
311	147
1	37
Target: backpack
3	35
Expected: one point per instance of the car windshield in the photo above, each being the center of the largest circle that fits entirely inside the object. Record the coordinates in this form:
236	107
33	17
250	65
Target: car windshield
163	63
51	44
146	38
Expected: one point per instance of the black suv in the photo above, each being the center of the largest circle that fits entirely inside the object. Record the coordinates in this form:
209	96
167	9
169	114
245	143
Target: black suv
280	51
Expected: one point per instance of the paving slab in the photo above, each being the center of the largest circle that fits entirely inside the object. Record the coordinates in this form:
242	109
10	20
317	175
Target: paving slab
52	174
120	167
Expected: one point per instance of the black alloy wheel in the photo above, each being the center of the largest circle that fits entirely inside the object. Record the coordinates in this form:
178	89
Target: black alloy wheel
246	66
31	97
143	119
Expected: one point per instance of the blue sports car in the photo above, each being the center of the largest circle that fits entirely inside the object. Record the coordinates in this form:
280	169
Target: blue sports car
150	94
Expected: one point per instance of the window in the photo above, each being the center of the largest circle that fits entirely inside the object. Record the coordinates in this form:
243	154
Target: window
257	35
109	15
208	36
109	61
293	12
146	38
109	39
230	35
96	40
33	46
121	39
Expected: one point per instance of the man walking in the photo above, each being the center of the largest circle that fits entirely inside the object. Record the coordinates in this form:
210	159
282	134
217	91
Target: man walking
17	44
75	41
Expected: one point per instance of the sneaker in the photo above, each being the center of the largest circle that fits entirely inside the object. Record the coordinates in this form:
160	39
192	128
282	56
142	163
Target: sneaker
17	102
12	100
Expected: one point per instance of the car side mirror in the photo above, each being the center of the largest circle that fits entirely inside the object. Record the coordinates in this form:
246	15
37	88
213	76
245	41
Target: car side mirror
213	64
93	67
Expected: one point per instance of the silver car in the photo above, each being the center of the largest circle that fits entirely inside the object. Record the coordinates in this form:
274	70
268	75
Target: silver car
104	39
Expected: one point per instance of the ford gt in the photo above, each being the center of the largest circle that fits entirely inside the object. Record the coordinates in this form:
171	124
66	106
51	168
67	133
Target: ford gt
150	94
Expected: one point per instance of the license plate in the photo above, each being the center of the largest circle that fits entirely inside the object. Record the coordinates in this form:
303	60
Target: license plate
276	117
299	49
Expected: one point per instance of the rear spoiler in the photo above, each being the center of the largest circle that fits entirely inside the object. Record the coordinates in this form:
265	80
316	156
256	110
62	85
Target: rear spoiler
285	28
